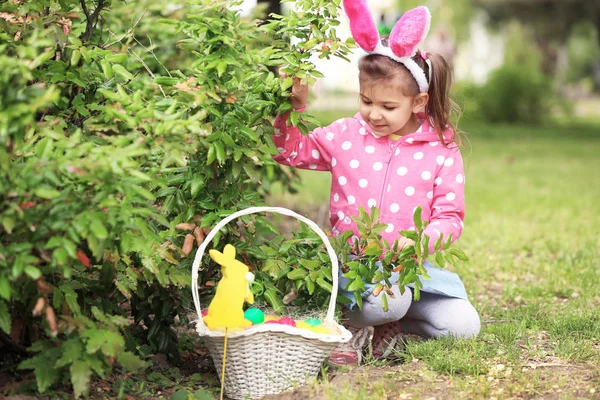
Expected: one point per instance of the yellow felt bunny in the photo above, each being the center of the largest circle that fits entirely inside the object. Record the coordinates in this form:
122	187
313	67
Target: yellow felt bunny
226	309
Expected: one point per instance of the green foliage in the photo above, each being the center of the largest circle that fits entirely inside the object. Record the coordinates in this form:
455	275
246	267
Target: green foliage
297	272
372	259
518	91
583	47
123	136
516	94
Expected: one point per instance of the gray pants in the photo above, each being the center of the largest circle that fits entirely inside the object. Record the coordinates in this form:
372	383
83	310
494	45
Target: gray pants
432	316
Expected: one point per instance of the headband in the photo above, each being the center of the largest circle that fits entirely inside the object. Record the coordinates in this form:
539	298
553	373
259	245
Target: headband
407	34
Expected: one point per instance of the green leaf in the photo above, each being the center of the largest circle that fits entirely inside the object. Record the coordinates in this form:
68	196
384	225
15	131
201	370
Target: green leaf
417	218
72	351
5	321
203	394
71	299
130	361
8	223
384	302
458	253
33	272
120	70
110	342
164	80
98	229
219	151
4	287
80	378
143	192
181	395
46	192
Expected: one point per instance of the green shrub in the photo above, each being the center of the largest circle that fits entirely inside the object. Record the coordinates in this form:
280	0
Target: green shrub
117	152
515	94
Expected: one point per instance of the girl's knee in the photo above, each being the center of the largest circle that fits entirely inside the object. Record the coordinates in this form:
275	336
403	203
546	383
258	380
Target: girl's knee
466	323
373	313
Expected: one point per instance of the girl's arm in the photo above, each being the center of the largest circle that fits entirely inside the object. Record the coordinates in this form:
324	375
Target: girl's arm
297	150
448	203
294	149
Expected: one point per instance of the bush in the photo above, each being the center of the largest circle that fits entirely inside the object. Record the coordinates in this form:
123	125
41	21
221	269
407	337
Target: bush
115	161
515	94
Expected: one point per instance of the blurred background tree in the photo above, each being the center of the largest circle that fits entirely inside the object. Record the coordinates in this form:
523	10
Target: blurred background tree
554	23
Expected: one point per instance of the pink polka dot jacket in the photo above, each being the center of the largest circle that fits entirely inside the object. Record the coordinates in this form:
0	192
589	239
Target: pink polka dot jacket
395	176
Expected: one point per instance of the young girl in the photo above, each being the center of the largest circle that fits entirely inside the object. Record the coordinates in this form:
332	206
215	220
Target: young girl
398	152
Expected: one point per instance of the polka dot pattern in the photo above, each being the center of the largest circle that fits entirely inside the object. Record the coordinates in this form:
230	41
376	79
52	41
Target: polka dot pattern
372	171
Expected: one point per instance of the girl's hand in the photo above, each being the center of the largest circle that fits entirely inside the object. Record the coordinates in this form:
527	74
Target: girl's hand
299	94
403	242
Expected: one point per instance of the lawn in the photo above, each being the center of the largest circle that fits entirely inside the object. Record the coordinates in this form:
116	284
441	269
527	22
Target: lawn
533	237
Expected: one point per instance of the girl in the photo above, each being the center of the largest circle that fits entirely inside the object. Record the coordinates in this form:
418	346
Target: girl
398	152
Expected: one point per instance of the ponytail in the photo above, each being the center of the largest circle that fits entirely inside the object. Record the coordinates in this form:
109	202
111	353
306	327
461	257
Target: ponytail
440	108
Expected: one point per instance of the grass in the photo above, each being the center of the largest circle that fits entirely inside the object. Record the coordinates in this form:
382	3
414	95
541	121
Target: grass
532	232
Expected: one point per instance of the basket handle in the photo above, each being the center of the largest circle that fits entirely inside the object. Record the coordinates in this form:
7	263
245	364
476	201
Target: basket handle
277	210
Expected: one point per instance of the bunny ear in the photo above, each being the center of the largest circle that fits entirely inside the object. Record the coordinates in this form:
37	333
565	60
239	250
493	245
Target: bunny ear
363	28
409	31
229	251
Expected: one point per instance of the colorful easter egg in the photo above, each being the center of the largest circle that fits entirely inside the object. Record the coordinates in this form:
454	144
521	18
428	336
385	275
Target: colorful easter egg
271	318
313	322
287	321
303	325
204	313
320	329
254	315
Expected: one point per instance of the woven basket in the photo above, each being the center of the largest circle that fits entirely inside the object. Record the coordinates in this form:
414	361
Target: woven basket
269	358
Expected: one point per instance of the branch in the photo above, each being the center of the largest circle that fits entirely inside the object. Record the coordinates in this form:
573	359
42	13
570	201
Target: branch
92	19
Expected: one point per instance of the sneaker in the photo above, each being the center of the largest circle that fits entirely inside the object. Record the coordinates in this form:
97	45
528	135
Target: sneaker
388	341
351	353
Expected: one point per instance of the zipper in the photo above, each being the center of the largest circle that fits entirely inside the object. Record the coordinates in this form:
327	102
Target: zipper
392	149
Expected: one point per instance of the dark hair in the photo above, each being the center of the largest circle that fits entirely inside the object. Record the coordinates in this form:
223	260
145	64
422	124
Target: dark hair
375	68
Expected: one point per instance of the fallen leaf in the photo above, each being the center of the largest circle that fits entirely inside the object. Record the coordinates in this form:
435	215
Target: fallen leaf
188	244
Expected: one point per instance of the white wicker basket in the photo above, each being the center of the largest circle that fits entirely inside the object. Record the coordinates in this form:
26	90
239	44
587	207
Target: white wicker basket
269	358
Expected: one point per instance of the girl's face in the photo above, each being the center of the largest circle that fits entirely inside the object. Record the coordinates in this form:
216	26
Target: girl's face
388	111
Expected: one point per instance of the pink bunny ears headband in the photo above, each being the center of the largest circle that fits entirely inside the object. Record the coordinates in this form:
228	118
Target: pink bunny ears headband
407	34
